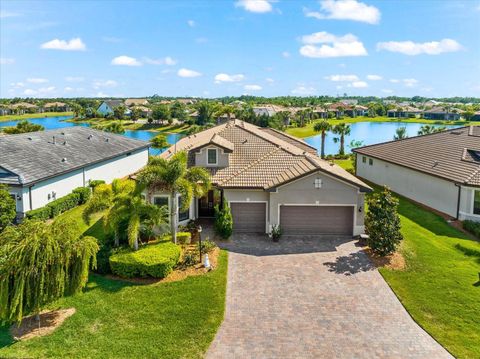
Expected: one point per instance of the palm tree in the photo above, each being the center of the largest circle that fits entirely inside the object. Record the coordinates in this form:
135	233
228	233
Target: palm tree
342	130
322	126
206	111
173	176
228	110
400	133
428	129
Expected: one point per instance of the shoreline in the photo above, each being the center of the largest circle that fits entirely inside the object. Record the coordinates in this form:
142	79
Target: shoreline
7	118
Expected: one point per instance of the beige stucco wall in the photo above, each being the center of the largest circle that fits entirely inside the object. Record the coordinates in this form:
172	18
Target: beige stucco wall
431	191
201	157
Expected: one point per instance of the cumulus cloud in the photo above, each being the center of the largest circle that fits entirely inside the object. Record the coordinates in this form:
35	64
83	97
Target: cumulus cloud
410	82
104	83
125	61
257	6
74	79
68	89
161	61
337	78
40	92
387	91
191	23
332	45
303	90
219	78
346	10
252	87
415	48
358	84
37	80
29	92
270	80
6	61
75	44
374	77
188	73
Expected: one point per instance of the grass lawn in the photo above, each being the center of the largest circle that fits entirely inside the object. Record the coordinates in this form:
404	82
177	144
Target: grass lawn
440	287
345	164
116	319
34	115
308	131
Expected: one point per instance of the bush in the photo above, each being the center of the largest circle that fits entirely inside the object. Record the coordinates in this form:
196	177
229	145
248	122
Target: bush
95	183
472	227
223	221
184	237
63	204
42	213
84	193
191	227
153	260
208	246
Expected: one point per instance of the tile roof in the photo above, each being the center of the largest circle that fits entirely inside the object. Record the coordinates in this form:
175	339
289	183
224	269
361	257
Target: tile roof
113	103
449	155
32	157
136	101
261	158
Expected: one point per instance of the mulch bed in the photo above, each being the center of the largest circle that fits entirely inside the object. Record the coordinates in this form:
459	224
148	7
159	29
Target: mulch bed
394	261
49	321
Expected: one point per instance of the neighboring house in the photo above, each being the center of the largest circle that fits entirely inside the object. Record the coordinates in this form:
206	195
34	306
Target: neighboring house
107	106
404	112
145	111
56	107
430	103
440	170
21	108
476	116
360	111
320	112
439	113
270	178
129	102
5	110
350	102
39	167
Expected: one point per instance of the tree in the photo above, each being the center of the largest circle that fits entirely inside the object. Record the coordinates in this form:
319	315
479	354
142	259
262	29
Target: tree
400	133
179	111
41	263
23	127
135	114
159	142
342	130
8	207
322	126
228	110
161	113
119	112
382	222
173	177
206	111
428	129
114	127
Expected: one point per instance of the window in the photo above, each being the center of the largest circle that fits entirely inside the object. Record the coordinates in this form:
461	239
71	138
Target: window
370	161
182	216
212	156
476	202
160	201
364	159
318	183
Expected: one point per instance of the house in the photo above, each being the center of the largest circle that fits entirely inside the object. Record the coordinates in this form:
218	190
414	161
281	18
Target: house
404	112
40	167
360	111
56	107
129	102
349	102
430	103
440	170
107	106
439	113
21	108
145	111
270	178
476	116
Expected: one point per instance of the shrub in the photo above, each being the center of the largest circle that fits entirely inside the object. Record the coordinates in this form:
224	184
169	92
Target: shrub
8	207
184	237
84	193
95	183
472	227
223	221
191	227
42	213
208	246
63	204
153	260
382	222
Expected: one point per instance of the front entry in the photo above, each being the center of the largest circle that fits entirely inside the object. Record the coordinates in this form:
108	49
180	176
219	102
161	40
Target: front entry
206	204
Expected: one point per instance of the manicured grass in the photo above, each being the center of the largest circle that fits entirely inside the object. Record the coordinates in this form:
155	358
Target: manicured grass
308	131
34	115
345	164
440	287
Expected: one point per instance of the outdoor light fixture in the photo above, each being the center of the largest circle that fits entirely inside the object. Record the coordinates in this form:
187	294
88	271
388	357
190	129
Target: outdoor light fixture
199	230
360	209
19	198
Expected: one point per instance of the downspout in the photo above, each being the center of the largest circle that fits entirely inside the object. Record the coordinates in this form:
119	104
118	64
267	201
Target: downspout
458	200
30	197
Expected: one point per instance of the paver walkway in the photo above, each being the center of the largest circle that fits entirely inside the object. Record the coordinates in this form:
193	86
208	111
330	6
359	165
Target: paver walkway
312	298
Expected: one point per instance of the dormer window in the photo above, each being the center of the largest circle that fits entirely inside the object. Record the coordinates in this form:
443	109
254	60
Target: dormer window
212	156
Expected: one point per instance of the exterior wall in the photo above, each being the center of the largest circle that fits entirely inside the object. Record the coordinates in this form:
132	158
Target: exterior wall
466	204
431	191
192	211
201	158
104	109
333	192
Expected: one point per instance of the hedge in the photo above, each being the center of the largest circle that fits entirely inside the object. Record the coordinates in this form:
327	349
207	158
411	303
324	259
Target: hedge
42	213
473	227
153	260
184	237
84	192
95	183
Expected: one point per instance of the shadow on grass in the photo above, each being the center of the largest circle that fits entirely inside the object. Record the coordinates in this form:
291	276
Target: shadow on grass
5	338
468	251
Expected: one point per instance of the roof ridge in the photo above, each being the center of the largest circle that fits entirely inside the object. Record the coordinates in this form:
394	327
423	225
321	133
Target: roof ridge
475	173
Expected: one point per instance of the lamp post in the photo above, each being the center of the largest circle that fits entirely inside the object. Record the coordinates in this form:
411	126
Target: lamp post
200	242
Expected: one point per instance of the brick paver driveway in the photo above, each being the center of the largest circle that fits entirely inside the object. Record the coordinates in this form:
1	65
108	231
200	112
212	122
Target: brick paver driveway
312	298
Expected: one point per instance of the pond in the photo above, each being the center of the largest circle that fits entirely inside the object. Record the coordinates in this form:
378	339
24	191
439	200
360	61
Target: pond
368	132
52	123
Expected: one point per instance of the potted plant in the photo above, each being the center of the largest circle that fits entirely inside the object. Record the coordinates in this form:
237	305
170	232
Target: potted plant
275	233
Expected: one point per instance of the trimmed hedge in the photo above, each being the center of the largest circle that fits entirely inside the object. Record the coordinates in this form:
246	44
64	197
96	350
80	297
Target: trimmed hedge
473	227
184	237
42	213
84	193
153	260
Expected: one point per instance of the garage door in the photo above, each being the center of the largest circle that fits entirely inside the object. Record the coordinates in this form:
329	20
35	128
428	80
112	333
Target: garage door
248	217
316	220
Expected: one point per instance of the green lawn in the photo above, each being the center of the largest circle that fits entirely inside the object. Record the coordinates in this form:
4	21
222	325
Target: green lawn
116	319
34	115
308	131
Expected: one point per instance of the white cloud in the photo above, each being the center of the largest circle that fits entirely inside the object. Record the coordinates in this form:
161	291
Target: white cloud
394	81
161	61
346	10
342	78
74	79
388	91
188	73
407	82
333	46
68	89
104	83
358	84
303	90
75	44
125	61
415	48
270	80
29	92
257	6
41	91
374	77
4	14
36	80
191	23
219	78
6	61
286	54
252	87
17	84
101	94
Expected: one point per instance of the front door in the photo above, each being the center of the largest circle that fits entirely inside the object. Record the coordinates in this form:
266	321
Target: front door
206	204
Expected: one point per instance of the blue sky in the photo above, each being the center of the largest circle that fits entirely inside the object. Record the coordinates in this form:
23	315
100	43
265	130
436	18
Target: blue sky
219	48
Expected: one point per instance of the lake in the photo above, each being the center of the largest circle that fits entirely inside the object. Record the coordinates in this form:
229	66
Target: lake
52	123
369	133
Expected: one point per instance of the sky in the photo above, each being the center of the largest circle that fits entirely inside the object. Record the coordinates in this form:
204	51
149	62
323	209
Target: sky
233	47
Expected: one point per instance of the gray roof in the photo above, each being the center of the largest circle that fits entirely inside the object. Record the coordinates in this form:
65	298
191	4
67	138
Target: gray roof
114	103
453	155
32	157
